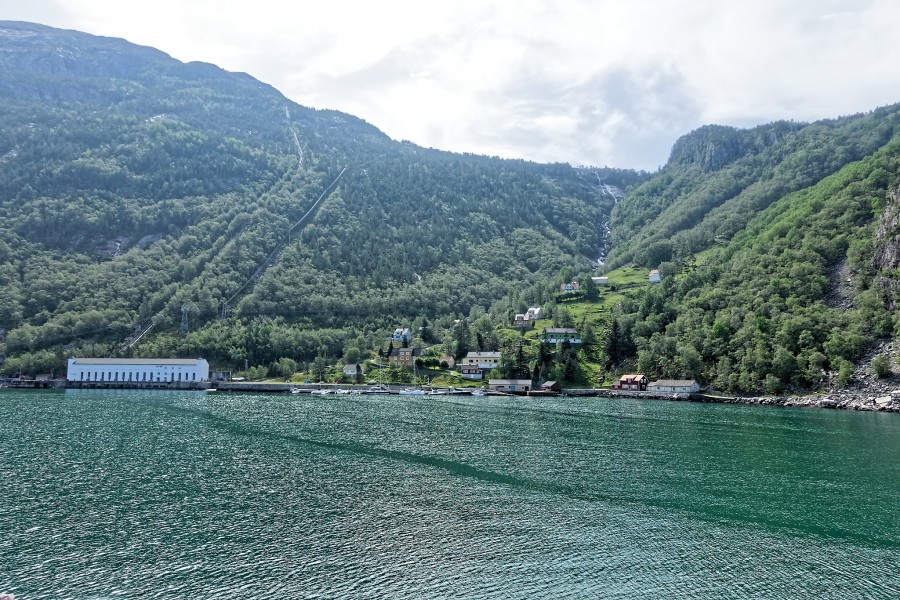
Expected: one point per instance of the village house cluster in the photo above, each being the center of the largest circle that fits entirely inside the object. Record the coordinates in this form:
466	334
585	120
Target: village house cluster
474	366
527	318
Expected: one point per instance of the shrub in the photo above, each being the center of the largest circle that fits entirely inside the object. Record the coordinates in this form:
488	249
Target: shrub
881	364
845	371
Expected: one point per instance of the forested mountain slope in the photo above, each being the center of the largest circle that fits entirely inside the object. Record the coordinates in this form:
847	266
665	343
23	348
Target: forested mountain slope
133	185
718	178
779	251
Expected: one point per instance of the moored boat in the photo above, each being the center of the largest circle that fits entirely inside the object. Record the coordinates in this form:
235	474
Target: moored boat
412	392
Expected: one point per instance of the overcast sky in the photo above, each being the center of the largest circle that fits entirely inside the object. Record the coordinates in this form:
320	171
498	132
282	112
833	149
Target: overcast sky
594	82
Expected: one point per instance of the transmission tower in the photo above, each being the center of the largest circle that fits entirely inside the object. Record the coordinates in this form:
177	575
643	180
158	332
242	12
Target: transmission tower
184	319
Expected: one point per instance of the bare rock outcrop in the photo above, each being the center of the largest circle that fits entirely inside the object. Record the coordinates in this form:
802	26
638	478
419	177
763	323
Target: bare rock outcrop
887	250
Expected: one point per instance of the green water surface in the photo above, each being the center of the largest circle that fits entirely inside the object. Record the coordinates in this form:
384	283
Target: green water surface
135	494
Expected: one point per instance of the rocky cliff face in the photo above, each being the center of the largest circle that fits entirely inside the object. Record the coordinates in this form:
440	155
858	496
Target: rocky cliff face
886	259
714	147
887	236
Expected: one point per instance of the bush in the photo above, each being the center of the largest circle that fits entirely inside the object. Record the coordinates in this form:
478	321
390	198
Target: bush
881	364
845	371
771	385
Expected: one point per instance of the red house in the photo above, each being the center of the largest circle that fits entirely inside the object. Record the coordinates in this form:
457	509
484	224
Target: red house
635	382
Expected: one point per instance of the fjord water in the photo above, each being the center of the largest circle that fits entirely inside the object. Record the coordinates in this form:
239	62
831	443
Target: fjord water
135	494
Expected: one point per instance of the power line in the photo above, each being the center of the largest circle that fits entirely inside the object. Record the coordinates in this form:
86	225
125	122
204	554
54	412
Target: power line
258	272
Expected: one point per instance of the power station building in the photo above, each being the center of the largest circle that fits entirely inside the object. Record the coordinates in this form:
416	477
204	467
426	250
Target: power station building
138	369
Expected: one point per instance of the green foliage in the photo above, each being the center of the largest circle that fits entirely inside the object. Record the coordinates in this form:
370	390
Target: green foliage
881	364
758	314
283	367
135	185
845	371
719	178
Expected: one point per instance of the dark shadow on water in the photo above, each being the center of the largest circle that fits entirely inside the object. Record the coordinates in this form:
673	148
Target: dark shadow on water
461	469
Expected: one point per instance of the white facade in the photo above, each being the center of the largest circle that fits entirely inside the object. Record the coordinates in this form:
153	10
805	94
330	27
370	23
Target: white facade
138	370
688	386
401	334
485	360
654	276
509	385
533	313
553	335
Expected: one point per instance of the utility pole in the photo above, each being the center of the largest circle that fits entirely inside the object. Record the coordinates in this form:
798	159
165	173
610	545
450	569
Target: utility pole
184	319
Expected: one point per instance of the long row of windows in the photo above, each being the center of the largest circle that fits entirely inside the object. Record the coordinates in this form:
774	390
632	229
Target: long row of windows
132	376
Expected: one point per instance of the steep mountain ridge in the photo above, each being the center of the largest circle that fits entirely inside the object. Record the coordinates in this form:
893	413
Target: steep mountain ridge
135	189
132	185
795	297
718	178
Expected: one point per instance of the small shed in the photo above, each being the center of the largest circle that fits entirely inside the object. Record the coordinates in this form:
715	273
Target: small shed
509	385
220	375
551	386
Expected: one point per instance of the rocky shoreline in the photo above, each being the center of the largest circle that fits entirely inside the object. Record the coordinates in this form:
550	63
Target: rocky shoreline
840	400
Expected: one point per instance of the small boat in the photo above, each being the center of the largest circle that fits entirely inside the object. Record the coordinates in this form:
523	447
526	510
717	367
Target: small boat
321	392
412	392
300	391
478	393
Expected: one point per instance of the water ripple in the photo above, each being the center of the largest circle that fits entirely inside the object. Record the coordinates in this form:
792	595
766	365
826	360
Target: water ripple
135	495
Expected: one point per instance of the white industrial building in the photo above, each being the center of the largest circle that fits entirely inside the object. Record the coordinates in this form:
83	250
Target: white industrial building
138	369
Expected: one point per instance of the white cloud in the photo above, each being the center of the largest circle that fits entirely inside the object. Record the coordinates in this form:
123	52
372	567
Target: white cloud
599	82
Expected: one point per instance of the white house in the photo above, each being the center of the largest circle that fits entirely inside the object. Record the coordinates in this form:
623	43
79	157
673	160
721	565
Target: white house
655	276
473	372
353	370
137	369
687	386
553	335
484	360
527	318
401	334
